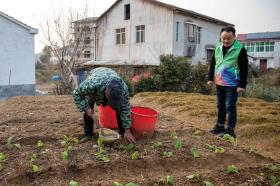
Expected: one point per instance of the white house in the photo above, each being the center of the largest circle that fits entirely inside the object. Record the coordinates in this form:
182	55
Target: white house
263	47
17	58
137	32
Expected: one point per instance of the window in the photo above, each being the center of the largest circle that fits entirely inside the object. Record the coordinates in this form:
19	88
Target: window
140	34
127	12
269	46
120	36
78	40
198	34
87	40
250	47
177	31
191	32
78	54
86	54
260	47
86	29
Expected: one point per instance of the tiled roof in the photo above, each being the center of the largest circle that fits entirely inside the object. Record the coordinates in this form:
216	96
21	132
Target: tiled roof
258	36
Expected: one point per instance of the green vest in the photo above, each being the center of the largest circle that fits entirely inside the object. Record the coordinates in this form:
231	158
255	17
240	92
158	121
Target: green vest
227	71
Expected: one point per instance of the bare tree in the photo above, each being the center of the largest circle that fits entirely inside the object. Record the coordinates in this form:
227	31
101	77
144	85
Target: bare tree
62	35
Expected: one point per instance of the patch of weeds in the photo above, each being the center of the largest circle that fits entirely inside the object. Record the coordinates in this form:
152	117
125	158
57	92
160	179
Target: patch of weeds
34	168
274	181
178	144
127	147
230	139
232	169
195	177
197	134
101	154
135	155
128	184
252	149
11	145
169	180
73	183
195	152
218	150
67	141
157	145
173	135
40	144
2	159
167	154
271	167
208	183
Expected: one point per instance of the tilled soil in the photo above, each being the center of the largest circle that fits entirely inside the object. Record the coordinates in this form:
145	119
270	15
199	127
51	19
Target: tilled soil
48	118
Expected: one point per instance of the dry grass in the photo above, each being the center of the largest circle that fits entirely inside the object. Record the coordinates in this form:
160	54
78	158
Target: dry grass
257	119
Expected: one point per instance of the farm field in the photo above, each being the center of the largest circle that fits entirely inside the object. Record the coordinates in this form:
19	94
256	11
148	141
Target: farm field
181	147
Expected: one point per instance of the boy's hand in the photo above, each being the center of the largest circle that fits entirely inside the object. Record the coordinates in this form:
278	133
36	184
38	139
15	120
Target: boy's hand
210	83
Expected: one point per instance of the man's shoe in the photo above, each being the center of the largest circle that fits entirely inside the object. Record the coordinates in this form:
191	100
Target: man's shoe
85	139
217	130
230	132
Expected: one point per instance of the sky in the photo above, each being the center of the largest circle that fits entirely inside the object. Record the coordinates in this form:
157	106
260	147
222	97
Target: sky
247	15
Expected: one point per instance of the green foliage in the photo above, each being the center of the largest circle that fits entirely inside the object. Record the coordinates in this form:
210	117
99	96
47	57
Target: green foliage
194	177
40	144
35	168
129	86
253	70
2	157
127	147
232	169
157	145
219	150
46	55
253	149
195	152
135	155
199	78
101	154
11	145
274	181
167	154
230	139
73	183
131	184
146	85
197	134
208	183
271	167
117	184
173	135
169	180
178	144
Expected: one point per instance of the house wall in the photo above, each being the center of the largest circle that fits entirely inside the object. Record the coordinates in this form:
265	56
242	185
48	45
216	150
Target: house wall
273	58
158	23
210	34
17	56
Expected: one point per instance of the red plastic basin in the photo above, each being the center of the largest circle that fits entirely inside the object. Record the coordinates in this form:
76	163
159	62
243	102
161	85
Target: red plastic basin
143	120
107	117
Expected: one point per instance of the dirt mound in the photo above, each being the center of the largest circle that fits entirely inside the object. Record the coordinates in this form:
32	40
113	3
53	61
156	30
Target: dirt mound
29	119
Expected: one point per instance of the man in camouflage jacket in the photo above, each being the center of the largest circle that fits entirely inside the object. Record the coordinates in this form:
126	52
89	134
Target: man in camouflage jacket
104	86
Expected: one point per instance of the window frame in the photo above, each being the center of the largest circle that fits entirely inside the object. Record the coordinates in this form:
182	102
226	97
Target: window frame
140	33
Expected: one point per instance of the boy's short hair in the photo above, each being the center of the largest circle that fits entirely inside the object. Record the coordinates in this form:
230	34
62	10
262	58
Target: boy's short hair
228	29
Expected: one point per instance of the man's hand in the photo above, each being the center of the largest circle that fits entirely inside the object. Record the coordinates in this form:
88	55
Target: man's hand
240	90
89	112
210	83
128	136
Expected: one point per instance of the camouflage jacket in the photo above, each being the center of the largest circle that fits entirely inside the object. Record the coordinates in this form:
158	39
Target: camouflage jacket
92	91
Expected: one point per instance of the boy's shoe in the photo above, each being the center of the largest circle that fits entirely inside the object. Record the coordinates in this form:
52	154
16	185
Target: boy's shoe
217	130
230	132
86	138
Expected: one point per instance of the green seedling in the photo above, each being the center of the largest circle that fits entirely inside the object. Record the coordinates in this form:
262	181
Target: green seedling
167	154
208	183
117	184
33	166
274	181
40	144
173	135
73	183
219	150
195	152
232	169
2	157
210	147
126	147
194	177
101	154
197	134
33	157
11	145
252	149
131	184
65	155
17	145
157	145
169	180
230	139
67	140
178	144
135	155
271	167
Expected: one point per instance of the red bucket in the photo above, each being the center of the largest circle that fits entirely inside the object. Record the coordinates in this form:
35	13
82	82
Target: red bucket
143	121
107	117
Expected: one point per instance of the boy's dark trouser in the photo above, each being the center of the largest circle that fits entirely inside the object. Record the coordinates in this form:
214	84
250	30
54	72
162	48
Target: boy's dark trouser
226	104
88	126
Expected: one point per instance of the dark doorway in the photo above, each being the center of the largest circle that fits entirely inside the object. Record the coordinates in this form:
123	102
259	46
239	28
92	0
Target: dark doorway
263	65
